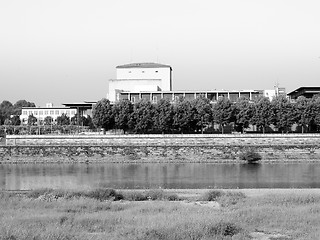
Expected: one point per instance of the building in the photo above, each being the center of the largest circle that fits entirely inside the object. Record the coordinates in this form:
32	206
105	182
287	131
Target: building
153	81
42	112
307	92
136	77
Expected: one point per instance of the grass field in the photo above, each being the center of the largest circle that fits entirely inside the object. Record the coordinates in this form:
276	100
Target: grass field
161	215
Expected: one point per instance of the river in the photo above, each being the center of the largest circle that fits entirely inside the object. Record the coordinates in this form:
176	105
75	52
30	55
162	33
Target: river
139	176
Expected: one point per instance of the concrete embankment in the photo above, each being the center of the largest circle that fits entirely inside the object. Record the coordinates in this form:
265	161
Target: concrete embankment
158	148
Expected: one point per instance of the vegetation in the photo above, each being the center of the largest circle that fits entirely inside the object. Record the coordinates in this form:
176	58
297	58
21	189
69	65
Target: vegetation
72	216
184	116
250	156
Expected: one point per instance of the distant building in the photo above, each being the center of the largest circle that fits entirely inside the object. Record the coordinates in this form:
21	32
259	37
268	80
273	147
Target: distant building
140	77
277	91
307	92
153	81
42	112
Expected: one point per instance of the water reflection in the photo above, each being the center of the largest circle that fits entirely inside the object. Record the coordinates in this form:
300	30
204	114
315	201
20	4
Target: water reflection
190	175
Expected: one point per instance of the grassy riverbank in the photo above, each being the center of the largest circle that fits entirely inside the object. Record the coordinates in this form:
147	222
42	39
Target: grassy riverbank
174	214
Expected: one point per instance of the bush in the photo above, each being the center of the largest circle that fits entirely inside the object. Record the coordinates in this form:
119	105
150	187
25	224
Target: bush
103	194
212	195
135	196
39	192
155	194
230	198
250	156
224	229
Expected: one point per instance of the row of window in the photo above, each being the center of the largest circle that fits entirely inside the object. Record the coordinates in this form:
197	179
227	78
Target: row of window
49	112
143	71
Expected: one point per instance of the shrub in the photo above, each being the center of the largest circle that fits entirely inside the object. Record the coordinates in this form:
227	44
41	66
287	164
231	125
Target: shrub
212	195
103	194
250	156
224	229
155	194
173	197
135	196
39	192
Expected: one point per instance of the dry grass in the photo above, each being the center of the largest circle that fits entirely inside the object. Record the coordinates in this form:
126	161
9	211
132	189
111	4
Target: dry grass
80	217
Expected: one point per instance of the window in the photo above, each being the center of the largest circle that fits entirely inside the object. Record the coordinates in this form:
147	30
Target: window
68	112
35	112
30	112
40	112
24	112
51	112
133	99
46	112
154	99
73	112
57	112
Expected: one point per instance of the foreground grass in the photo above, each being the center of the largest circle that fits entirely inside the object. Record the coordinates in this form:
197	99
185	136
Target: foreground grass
98	214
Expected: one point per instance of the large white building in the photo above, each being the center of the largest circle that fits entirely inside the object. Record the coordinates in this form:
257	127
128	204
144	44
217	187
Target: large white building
42	112
140	77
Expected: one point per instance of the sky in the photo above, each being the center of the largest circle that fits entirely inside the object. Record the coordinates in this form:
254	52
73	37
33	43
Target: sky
66	50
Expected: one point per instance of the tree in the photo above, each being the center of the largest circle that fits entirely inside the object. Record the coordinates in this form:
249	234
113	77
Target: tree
243	114
262	114
203	112
122	114
32	120
282	113
223	112
103	114
163	117
63	120
183	116
15	120
48	120
142	117
300	111
316	103
6	110
19	105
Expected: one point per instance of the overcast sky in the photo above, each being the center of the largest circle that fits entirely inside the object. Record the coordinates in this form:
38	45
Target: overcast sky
66	50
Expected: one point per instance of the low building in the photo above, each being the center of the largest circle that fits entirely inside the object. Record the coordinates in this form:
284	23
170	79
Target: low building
307	92
48	111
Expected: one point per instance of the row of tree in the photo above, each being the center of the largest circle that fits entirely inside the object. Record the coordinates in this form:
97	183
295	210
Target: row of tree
9	113
184	116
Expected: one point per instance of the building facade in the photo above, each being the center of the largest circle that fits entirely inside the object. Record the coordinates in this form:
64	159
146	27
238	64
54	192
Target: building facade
136	77
42	112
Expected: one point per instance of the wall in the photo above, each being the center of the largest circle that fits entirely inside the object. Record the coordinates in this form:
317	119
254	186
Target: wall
158	148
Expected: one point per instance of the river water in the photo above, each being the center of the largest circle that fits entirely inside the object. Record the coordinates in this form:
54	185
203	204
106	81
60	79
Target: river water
188	175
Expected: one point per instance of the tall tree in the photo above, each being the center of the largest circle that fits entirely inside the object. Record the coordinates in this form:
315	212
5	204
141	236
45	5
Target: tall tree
203	112
163	117
19	105
282	113
223	112
6	110
243	114
103	115
183	116
301	114
122	114
262	114
142	117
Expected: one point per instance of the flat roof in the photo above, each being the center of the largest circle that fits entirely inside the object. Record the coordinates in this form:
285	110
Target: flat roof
197	91
144	65
303	89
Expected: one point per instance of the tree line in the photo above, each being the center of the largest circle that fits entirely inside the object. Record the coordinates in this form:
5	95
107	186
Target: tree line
200	115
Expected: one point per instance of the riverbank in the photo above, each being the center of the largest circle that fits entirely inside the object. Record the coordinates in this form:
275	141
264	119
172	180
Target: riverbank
260	214
159	148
